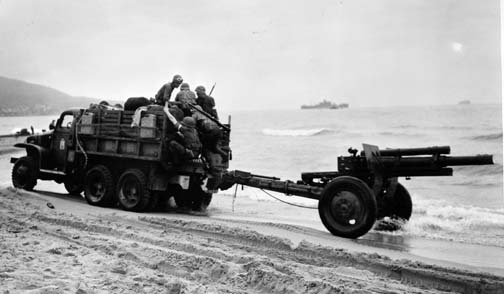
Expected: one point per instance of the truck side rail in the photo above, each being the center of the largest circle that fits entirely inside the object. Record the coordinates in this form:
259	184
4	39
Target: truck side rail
110	133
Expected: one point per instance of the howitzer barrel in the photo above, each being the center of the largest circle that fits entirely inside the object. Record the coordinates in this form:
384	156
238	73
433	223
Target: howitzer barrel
416	151
435	161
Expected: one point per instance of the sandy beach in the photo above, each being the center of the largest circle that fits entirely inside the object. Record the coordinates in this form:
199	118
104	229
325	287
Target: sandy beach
51	242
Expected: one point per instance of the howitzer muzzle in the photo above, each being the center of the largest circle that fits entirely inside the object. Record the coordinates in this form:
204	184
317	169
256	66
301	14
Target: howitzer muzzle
467	160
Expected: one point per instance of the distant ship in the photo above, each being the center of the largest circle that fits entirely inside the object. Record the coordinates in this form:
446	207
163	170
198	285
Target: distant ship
464	102
325	105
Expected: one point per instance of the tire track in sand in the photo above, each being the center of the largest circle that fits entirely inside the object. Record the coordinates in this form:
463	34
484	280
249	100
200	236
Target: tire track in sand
152	254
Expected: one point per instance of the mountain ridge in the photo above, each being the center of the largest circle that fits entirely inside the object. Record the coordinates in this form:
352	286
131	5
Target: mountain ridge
18	97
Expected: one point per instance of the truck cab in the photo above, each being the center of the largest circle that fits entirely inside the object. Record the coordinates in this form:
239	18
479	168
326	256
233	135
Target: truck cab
62	148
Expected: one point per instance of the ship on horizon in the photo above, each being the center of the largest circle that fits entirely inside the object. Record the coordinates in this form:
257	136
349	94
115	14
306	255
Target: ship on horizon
325	104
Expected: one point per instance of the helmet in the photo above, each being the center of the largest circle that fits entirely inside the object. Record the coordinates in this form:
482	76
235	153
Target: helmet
184	86
189	122
200	89
177	79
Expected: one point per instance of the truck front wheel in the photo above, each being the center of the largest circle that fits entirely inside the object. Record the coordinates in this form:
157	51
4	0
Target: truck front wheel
347	207
132	191
99	186
24	173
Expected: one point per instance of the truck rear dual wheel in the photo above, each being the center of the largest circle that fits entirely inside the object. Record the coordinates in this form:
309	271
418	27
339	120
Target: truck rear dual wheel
99	188
347	207
24	173
194	198
132	191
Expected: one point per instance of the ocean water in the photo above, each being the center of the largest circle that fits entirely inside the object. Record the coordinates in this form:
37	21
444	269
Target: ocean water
467	207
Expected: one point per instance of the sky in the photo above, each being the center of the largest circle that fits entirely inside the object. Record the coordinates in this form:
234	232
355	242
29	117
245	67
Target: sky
261	54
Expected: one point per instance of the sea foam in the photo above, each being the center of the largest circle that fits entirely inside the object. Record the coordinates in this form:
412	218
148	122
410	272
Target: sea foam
295	132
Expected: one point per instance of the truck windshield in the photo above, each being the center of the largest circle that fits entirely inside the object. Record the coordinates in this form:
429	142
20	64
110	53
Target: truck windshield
66	121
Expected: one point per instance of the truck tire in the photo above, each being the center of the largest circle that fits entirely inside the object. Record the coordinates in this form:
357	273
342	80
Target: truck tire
99	186
183	199
154	202
207	198
401	205
74	185
347	207
24	173
194	199
132	191
202	200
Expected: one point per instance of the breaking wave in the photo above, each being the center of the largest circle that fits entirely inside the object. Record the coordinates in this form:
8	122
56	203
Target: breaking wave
432	219
481	170
488	137
400	134
465	224
405	126
296	132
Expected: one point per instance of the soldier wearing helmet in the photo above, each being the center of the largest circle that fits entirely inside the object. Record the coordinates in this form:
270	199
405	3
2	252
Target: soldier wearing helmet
206	102
185	95
164	94
187	145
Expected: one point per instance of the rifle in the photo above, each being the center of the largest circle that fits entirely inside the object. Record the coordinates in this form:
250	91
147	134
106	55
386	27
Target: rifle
213	87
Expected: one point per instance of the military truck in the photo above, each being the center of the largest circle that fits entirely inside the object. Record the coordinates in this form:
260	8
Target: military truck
98	151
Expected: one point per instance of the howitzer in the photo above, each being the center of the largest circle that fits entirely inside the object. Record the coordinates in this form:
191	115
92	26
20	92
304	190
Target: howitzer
365	187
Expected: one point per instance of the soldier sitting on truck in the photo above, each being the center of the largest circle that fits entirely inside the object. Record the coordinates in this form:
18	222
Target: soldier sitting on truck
206	102
211	135
186	145
185	96
164	94
210	132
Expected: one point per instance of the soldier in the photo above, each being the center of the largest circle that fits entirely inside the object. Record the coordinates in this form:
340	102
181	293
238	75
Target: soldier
164	94
206	102
186	95
187	145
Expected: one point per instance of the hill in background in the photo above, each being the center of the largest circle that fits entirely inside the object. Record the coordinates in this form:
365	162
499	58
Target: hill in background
22	98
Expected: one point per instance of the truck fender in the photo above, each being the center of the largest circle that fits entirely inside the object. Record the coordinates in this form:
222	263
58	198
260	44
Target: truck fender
160	182
35	151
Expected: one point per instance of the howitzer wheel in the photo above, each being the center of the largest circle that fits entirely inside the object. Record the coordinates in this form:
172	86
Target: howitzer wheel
347	207
99	187
400	206
132	191
24	173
